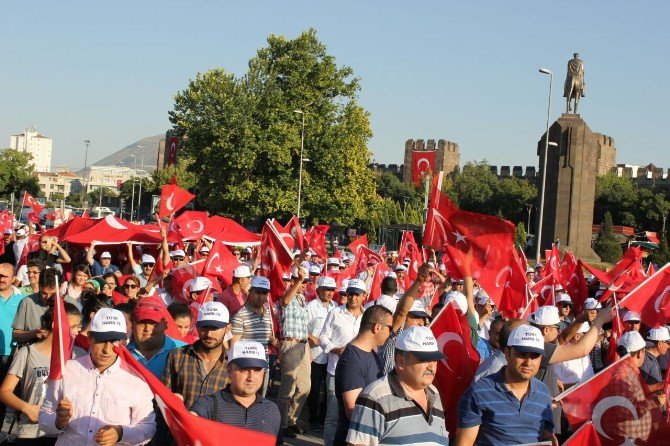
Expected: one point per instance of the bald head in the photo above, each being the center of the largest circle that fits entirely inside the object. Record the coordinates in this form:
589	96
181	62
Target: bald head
6	277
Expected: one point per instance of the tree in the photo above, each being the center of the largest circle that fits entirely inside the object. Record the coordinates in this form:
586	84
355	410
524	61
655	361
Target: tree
661	256
606	245
476	187
243	137
520	235
618	196
17	174
185	178
512	197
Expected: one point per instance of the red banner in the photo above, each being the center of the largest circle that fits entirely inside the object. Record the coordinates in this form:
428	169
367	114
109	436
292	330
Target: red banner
422	163
173	145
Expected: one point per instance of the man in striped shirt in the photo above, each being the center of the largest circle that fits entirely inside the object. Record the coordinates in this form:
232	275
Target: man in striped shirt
403	407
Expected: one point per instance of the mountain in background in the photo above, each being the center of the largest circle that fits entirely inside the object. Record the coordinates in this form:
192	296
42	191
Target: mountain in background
147	150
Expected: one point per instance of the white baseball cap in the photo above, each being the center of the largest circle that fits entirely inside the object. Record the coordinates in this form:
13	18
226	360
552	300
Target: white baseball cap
400	268
592	304
459	301
530	270
20	232
177	253
213	314
247	354
421	342
631	316
564	297
481	297
457	281
545	316
200	283
204	249
105	255
418	309
327	283
632	341
584	327
659	334
526	339
296	253
333	261
286	276
108	324
148	258
242	271
8	231
260	283
391	274
356	286
343	287
315	270
559	287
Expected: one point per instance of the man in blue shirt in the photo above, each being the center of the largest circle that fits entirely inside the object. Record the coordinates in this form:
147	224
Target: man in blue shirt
102	267
510	406
150	345
10	296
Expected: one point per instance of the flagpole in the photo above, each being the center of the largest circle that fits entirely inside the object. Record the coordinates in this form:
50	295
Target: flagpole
618	318
572	389
643	283
22	204
58	317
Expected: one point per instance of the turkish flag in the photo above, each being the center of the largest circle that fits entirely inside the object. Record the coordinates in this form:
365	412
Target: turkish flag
173	198
276	258
618	402
650	269
188	429
568	265
575	285
423	163
220	263
410	249
381	270
615	278
173	146
118	298
34	217
316	239
514	287
294	228
584	436
651	299
440	209
531	306
553	264
544	289
29	201
192	224
182	275
612	354
62	340
356	247
455	373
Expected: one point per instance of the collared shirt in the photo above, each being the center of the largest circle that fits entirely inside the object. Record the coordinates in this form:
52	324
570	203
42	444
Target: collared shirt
316	317
340	327
232	300
113	397
30	311
385	415
8	310
156	364
491	365
573	371
261	416
501	417
185	373
651	370
253	326
386	353
294	318
98	270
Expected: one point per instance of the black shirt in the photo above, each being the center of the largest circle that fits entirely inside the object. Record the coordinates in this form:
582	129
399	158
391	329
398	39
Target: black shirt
355	370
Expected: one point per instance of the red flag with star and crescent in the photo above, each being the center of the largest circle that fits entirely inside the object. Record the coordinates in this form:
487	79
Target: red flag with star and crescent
575	285
192	224
651	299
220	263
410	249
356	248
455	373
423	163
276	259
316	239
29	201
294	228
587	435
173	198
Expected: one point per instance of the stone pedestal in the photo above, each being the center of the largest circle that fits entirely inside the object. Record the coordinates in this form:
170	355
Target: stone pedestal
570	186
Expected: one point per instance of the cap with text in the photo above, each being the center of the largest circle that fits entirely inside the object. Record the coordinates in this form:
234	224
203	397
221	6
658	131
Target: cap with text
247	354
213	314
356	286
108	324
421	342
260	283
545	316
526	339
327	283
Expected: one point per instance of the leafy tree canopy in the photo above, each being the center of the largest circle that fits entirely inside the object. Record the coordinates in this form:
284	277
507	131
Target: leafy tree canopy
17	174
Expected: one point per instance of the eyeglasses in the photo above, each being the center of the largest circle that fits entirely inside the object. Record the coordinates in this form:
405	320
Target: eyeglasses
177	259
130	285
237	254
148	265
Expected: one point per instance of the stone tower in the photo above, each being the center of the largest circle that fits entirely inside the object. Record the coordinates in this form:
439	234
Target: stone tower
447	156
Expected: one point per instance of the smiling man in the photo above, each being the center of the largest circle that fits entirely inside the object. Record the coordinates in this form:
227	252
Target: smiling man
510	406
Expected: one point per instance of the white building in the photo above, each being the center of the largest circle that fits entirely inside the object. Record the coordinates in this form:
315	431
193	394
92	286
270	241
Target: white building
38	145
110	177
61	183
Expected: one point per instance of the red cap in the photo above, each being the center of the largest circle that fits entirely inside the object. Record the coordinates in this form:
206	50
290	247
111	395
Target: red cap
151	309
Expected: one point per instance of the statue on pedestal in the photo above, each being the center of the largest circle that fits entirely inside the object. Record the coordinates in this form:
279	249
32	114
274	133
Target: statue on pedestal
574	82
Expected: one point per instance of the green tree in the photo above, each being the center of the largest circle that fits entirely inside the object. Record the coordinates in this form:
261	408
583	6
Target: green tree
618	196
606	244
661	256
476	187
243	137
390	186
650	209
512	197
17	174
520	235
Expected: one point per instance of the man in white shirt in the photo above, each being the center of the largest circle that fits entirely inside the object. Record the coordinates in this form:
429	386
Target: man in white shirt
317	311
389	294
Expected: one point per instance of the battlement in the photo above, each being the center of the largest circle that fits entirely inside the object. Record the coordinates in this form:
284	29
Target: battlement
648	172
528	172
447	155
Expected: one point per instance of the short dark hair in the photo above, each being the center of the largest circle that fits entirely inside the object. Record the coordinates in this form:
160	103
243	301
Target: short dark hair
507	329
126	307
178	309
92	304
376	314
48	278
35	263
389	285
47	319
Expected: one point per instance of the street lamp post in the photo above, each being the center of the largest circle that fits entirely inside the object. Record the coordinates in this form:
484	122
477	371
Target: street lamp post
530	208
87	142
132	197
302	148
538	237
139	194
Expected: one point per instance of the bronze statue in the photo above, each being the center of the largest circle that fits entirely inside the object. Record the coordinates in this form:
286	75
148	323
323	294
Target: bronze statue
574	82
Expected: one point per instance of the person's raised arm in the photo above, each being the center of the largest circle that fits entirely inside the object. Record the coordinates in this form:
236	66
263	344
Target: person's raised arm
131	258
64	256
165	249
566	352
291	292
89	254
571	330
407	299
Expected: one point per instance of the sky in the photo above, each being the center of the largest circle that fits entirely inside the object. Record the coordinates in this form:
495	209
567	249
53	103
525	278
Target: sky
462	71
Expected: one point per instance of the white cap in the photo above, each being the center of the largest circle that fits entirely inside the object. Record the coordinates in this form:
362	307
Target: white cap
391	274
260	283
294	272
457	281
631	316
356	286
584	327
296	253
530	270
326	282
247	354
248	249
526	339
8	231
632	341
591	304
204	249
421	342
213	314
406	262
400	268
108	324
333	261
200	283
286	276
20	232
177	253
547	315
431	264
659	334
563	297
343	287
559	287
105	255
459	300
315	269
242	271
481	297
418	309
148	258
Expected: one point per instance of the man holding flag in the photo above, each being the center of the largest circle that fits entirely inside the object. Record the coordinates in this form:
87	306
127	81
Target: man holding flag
97	400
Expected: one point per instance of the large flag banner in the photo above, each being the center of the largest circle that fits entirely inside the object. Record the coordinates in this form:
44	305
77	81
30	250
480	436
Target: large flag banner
423	163
220	263
651	299
173	198
188	429
62	340
584	436
29	201
617	401
276	258
173	147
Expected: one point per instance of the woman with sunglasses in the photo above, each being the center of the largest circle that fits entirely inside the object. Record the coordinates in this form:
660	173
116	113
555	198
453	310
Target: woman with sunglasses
131	287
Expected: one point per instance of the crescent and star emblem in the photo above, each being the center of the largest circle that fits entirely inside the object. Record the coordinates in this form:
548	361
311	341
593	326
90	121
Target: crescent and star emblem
197	223
422	161
607	403
114	223
443	340
500	276
659	299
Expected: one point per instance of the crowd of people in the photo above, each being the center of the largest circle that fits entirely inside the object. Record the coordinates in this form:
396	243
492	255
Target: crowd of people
364	368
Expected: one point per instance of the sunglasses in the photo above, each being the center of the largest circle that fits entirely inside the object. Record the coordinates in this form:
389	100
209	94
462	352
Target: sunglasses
177	259
130	285
237	254
148	265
